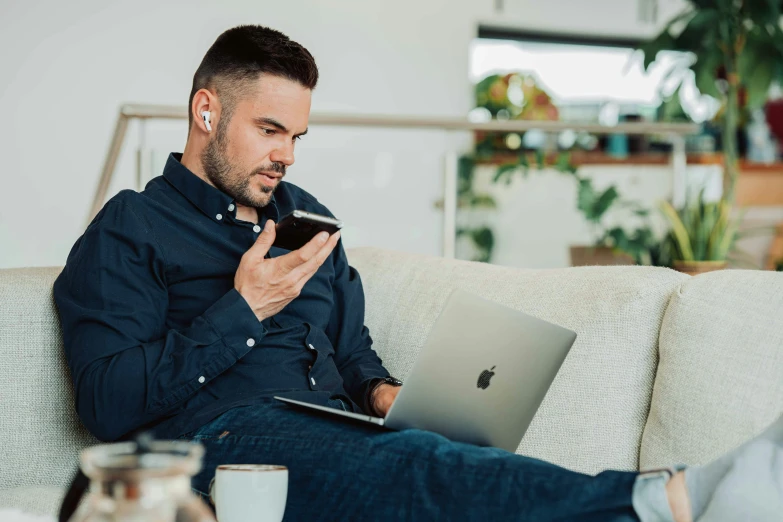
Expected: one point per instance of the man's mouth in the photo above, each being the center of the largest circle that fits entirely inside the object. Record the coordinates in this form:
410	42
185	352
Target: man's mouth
270	179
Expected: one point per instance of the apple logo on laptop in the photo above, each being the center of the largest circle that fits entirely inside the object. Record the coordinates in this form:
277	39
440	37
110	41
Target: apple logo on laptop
483	380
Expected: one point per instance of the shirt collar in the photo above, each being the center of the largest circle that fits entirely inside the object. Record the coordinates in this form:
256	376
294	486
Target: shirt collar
211	201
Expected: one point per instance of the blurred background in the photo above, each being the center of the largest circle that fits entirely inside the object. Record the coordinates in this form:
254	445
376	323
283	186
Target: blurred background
637	140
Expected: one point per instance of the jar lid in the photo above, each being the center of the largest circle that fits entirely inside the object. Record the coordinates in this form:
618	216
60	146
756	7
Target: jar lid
142	459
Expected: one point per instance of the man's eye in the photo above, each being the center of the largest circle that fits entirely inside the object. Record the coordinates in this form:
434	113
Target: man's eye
267	132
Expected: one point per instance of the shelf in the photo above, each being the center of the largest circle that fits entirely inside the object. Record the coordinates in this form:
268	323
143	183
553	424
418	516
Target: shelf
579	158
759	184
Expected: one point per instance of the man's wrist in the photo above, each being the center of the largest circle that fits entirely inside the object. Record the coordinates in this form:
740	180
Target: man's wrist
375	386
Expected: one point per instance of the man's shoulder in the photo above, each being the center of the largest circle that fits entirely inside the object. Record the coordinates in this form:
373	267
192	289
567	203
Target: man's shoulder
126	204
298	198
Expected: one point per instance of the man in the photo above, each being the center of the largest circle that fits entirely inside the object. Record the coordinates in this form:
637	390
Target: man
180	316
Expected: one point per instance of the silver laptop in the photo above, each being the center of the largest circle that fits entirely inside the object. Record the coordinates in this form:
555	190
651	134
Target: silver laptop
479	378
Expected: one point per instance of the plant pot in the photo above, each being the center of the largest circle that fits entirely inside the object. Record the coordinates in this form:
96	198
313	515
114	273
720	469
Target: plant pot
598	256
699	267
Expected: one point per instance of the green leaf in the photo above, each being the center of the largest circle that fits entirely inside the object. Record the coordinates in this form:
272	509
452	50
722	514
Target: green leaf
662	42
706	71
680	234
585	197
671	108
523	164
701	31
703	4
506	170
757	86
482	201
484	240
755	65
465	166
605	201
563	163
540	157
762	12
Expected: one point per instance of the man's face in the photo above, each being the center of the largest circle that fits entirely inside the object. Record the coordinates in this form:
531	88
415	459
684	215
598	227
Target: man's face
251	148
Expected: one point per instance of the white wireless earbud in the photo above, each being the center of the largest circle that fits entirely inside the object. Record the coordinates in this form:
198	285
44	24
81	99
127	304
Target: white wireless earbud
205	115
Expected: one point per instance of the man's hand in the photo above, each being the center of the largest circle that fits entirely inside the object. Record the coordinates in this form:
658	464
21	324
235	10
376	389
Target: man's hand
268	285
383	397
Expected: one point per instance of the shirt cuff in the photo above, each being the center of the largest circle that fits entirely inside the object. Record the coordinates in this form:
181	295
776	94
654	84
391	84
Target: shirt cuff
234	320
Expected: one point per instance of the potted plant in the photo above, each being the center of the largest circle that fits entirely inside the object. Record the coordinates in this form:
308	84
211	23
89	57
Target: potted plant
737	47
703	234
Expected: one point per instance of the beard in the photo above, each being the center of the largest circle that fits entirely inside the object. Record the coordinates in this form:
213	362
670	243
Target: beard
229	179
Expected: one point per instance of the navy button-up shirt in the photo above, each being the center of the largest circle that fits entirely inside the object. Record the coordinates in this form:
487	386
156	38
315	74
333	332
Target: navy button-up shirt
157	337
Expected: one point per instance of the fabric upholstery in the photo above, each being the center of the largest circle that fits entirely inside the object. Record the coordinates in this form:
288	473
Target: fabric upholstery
40	435
37	500
594	414
720	377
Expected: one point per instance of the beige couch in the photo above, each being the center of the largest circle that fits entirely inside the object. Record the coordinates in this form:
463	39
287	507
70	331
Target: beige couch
666	368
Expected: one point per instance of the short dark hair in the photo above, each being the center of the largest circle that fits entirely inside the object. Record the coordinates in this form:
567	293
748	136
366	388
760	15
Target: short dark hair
243	53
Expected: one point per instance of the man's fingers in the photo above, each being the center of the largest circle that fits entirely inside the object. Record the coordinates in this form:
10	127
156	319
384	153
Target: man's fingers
308	268
265	239
298	257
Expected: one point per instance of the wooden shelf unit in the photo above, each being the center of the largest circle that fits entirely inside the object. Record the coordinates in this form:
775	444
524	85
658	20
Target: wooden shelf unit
759	184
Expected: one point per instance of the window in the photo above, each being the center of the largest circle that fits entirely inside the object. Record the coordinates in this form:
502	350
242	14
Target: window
590	80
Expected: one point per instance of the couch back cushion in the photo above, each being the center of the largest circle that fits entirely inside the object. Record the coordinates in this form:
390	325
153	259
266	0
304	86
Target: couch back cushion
720	377
40	435
595	411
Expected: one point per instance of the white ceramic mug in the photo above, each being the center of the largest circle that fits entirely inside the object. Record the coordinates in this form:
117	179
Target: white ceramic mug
249	492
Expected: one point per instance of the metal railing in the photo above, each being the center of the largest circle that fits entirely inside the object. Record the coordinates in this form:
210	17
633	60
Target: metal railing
674	131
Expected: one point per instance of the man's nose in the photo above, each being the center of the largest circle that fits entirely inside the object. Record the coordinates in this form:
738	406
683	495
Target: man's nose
284	155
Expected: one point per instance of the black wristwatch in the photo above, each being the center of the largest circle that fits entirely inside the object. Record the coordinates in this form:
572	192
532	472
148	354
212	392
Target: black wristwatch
377	382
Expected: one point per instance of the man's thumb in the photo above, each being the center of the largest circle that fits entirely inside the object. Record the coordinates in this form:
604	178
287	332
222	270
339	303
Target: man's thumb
265	238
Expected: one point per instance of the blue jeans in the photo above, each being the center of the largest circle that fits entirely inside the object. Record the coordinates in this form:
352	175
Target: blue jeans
344	470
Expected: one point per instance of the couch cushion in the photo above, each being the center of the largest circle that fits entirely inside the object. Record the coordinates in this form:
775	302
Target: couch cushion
36	500
720	377
596	409
40	435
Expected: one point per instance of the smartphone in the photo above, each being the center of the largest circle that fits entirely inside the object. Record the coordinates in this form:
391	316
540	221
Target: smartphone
297	228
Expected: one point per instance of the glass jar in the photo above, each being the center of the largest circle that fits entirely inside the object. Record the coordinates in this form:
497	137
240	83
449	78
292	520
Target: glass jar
151	484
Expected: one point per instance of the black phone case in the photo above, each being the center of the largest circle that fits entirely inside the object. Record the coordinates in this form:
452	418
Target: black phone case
293	233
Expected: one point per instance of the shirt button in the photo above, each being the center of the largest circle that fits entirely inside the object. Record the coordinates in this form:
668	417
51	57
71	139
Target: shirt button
231	207
219	217
201	379
251	342
256	229
312	381
311	346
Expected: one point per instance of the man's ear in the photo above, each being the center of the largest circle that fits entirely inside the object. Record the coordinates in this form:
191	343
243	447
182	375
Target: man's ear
205	110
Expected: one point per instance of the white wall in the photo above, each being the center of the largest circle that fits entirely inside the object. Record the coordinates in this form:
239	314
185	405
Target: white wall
598	17
86	57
